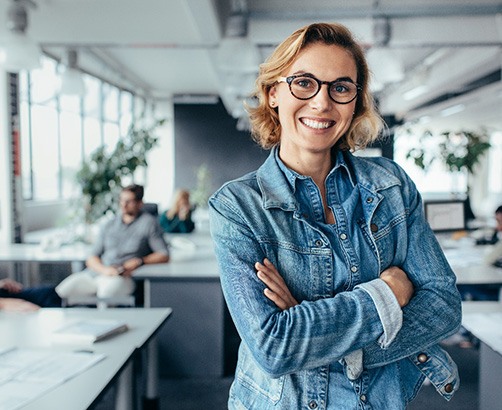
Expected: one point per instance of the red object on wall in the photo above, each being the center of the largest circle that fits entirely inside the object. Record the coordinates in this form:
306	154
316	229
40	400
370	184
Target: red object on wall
16	157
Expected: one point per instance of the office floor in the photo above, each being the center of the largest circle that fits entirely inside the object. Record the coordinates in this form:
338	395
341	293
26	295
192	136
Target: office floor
210	393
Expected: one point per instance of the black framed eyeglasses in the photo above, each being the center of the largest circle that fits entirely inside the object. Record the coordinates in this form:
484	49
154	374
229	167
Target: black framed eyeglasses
305	87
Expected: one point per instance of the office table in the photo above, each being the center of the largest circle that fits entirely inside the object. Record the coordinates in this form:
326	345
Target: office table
24	259
33	329
190	284
484	320
467	261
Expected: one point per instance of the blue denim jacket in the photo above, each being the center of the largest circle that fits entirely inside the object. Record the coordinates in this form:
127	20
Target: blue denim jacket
285	356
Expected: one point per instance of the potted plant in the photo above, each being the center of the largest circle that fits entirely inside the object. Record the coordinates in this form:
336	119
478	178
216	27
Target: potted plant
459	151
100	178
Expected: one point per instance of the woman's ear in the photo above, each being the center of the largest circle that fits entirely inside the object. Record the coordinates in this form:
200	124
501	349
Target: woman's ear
272	97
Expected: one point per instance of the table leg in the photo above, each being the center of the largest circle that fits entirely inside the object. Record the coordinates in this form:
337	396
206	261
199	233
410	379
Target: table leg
124	398
151	399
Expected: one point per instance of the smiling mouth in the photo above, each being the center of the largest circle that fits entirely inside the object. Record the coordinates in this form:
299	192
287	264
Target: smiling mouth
317	125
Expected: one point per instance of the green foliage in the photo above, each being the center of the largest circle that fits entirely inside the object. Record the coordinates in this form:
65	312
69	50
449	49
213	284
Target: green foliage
101	177
200	195
458	151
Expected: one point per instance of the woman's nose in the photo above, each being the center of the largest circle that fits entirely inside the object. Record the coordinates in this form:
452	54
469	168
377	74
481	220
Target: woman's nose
321	101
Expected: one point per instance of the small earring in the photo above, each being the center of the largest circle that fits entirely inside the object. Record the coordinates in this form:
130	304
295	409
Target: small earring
272	103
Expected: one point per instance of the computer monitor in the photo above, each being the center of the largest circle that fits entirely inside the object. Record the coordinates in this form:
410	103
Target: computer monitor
445	215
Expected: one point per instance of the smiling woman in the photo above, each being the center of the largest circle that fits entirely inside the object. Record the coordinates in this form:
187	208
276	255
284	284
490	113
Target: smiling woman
337	305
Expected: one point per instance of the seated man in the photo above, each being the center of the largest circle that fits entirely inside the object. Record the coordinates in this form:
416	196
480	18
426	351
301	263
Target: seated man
494	257
16	298
128	241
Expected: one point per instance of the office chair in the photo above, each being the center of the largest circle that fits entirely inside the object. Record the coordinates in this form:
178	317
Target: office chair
151	208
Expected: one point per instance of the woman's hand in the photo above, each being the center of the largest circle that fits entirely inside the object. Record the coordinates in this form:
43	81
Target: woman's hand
399	283
276	289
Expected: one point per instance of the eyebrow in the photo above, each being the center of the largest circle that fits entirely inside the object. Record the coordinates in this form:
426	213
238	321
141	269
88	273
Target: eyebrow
312	75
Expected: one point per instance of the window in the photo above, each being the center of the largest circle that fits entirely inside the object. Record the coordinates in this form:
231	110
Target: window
59	132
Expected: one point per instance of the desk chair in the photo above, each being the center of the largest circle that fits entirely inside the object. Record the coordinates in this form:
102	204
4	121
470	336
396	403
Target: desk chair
151	208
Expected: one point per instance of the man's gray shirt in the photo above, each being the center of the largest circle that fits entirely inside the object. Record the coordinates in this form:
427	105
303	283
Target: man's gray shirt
119	242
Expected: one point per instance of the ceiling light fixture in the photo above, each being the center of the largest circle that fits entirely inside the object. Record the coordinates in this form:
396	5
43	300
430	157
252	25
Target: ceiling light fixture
20	52
415	92
72	82
236	52
454	109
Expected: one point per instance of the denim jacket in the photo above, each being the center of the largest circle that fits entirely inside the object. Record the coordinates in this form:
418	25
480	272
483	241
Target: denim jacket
284	356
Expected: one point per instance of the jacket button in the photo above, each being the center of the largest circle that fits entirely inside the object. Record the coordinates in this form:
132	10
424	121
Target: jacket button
448	388
343	236
422	358
318	243
353	269
312	404
363	398
369	200
374	228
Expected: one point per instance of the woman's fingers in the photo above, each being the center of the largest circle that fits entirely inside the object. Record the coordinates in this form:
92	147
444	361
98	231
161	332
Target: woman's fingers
277	290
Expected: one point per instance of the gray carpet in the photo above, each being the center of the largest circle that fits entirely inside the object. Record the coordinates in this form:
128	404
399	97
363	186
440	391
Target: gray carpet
212	393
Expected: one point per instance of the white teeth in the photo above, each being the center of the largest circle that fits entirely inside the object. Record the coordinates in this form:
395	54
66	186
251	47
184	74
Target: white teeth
318	125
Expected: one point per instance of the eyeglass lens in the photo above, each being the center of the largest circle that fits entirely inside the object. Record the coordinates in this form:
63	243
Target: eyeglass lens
339	91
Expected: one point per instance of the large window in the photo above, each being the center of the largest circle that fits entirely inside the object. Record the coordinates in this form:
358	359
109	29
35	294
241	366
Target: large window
59	132
486	186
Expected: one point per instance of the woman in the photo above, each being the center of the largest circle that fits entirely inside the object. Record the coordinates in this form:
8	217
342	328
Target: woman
178	219
335	282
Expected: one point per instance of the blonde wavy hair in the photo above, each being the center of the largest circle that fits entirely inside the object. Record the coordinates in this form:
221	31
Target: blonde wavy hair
265	126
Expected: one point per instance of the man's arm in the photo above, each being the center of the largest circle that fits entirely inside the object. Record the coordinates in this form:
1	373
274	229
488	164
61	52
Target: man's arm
131	264
94	263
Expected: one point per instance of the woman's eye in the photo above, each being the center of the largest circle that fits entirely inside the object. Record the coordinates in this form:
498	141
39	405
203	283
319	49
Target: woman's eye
339	88
304	82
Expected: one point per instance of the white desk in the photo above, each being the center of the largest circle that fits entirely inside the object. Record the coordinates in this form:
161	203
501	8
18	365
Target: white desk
484	320
190	284
34	330
466	260
30	256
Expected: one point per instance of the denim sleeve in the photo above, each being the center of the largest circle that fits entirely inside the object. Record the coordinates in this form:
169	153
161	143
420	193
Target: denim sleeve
312	334
388	309
434	312
391	316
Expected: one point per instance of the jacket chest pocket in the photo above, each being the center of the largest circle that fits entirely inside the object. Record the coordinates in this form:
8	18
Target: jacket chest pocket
390	237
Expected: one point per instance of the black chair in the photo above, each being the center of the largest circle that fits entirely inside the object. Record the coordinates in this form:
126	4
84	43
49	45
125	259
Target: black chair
151	208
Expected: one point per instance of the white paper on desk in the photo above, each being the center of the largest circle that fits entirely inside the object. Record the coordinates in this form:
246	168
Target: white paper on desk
28	373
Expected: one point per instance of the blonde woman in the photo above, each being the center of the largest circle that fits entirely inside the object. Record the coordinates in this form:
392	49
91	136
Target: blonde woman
336	284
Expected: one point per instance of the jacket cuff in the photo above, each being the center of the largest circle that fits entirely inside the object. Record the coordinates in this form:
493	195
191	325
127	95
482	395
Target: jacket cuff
387	307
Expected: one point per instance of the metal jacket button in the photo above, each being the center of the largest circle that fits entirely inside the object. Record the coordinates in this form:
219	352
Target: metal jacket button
374	228
448	388
422	358
312	404
318	243
369	200
353	269
343	236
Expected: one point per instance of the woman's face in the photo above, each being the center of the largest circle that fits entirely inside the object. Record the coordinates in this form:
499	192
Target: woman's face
314	125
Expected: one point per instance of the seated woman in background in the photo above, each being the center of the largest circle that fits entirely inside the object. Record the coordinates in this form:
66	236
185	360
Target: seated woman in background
178	219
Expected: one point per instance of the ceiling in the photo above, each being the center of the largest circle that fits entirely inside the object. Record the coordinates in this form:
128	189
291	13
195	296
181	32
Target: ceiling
447	52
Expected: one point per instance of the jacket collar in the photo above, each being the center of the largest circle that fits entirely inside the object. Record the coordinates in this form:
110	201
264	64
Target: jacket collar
278	189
